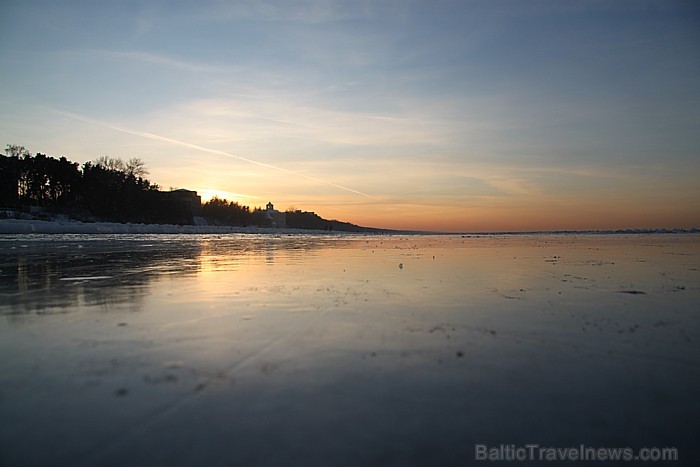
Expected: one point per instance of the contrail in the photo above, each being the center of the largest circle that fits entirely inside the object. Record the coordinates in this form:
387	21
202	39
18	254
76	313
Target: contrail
197	147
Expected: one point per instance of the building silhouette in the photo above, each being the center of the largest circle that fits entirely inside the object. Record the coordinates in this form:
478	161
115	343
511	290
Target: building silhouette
275	218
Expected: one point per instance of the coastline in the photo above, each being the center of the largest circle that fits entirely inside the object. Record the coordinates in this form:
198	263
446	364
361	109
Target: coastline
36	226
23	226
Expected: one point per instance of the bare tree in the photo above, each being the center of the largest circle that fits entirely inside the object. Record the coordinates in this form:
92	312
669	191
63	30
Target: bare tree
136	167
111	163
13	150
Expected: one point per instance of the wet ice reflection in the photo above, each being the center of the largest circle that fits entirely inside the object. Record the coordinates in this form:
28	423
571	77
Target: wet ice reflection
380	349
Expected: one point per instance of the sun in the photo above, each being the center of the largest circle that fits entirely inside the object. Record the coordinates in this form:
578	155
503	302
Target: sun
208	193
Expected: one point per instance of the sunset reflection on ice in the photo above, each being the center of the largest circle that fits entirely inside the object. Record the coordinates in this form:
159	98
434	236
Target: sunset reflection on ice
343	349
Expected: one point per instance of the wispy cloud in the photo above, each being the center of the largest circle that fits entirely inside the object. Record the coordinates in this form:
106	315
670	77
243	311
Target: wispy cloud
468	108
197	147
282	127
301	11
155	59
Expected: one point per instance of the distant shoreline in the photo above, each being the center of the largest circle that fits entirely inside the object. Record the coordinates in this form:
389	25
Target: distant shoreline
21	226
34	226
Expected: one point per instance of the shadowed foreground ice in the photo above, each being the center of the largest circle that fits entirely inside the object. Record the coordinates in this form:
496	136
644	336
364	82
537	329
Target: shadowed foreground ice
343	350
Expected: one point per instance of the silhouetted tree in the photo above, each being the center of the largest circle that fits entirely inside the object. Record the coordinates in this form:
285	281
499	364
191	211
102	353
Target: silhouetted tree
10	169
118	195
219	211
37	181
13	150
133	166
136	167
63	181
109	163
111	189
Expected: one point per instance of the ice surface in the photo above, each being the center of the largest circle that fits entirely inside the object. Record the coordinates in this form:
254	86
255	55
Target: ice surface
322	350
84	278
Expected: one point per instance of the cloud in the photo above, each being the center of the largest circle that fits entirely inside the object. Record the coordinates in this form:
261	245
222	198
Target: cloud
302	11
266	121
178	142
155	59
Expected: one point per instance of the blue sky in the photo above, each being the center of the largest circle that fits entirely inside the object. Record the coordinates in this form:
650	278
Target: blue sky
448	115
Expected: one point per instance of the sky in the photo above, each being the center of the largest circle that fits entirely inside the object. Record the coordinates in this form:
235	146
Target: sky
460	116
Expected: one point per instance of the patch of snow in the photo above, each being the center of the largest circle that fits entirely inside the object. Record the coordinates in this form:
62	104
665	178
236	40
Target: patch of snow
24	226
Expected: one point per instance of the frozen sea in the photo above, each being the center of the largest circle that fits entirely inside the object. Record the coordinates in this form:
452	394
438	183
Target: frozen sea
344	350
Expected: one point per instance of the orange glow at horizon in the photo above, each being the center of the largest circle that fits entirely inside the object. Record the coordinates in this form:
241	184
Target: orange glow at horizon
521	219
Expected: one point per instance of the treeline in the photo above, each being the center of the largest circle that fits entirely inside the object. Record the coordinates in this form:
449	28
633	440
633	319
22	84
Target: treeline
113	190
106	189
218	211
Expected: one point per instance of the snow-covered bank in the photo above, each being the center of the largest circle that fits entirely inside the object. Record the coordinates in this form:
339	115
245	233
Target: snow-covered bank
24	226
